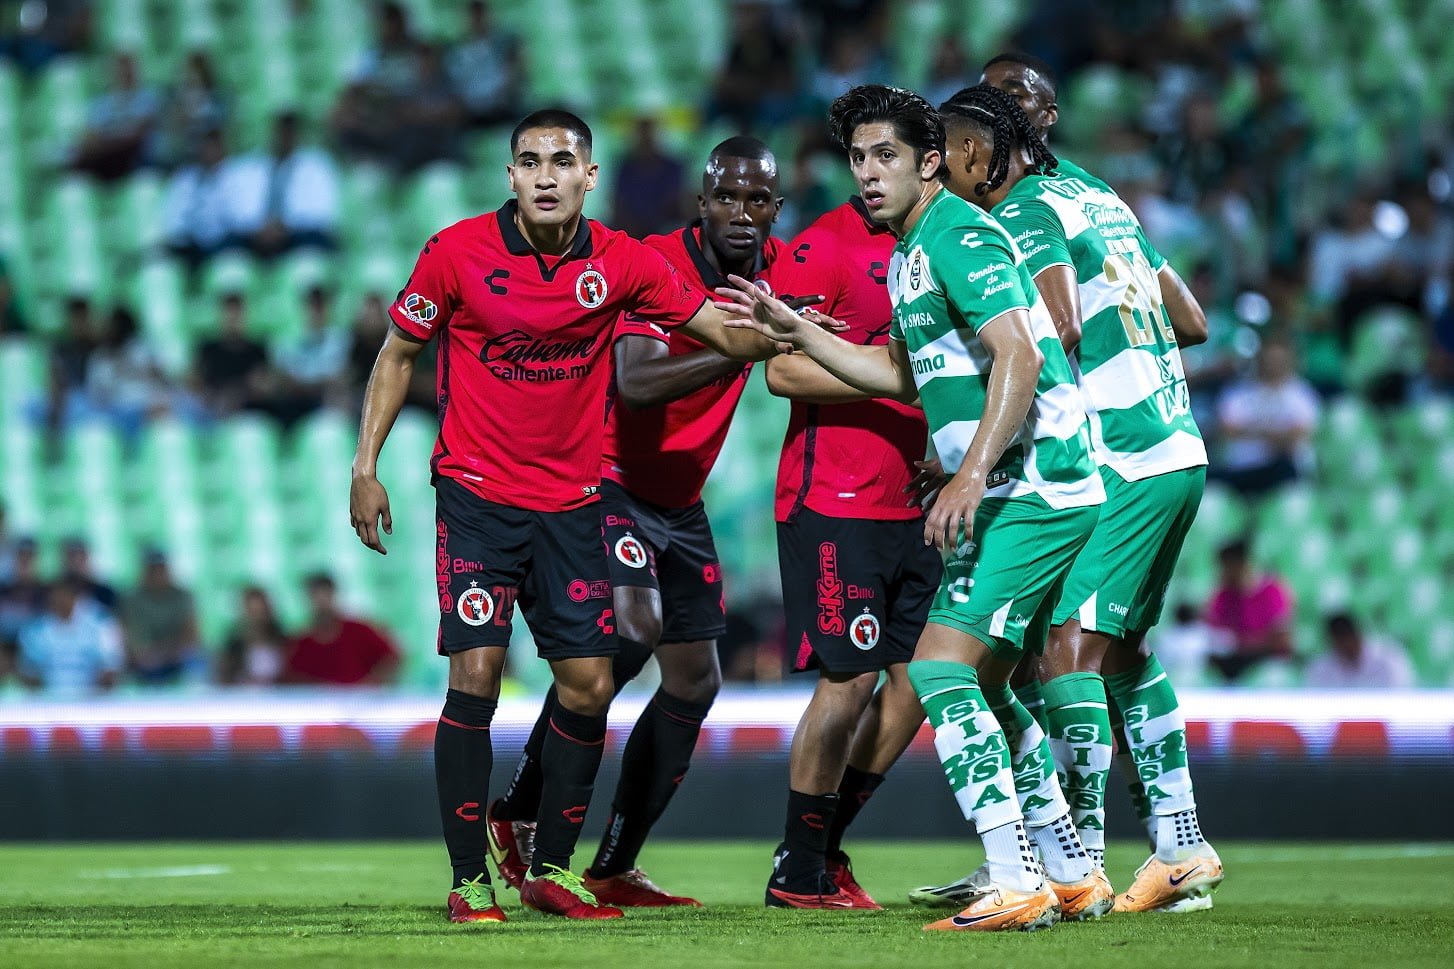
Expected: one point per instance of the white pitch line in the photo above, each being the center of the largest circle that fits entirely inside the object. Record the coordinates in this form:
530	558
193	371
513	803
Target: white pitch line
176	871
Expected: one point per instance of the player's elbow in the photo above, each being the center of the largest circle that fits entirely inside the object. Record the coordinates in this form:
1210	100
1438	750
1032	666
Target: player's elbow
778	383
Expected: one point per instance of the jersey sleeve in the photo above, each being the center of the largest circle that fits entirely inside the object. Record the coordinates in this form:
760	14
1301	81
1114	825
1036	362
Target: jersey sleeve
1153	256
1038	233
657	292
633	324
975	269
428	299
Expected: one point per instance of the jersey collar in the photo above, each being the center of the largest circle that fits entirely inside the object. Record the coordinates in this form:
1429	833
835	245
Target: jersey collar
691	241
857	202
515	243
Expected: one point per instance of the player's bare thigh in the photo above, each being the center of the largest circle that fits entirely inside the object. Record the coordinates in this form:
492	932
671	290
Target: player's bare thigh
949	645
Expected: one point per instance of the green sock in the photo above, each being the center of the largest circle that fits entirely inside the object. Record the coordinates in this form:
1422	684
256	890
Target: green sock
1156	734
1127	765
1080	737
1029	696
1041	799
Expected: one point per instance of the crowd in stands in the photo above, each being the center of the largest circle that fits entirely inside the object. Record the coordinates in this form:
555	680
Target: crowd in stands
71	633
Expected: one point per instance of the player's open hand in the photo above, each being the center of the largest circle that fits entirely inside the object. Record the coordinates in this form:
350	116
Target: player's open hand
748	307
368	502
929	477
951	521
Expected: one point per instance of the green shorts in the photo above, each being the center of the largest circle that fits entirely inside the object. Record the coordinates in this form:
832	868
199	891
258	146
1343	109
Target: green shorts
1011	571
1118	583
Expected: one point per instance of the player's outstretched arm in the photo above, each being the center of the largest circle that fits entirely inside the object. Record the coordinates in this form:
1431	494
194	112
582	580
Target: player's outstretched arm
1014	370
1060	291
647	375
799	377
368	502
1188	320
873	370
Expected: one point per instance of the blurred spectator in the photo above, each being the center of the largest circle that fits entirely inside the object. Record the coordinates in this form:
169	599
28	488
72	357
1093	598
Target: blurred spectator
1350	252
8	545
288	197
200	215
430	119
853	59
124	379
1353	661
231	366
194	107
76	566
1256	609
22	593
45	31
1194	153
310	369
1187	644
161	625
366	336
12	318
756	86
650	191
70	355
256	648
485	69
121	130
366	119
336	649
73	647
949	72
1267	423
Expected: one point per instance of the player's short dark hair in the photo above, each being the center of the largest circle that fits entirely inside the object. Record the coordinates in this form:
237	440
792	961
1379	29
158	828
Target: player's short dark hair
915	121
1342	624
551	118
1036	64
743	146
320	580
998	115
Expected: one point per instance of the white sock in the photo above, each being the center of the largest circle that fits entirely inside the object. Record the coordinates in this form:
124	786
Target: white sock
1094	842
1178	836
1011	863
1061	852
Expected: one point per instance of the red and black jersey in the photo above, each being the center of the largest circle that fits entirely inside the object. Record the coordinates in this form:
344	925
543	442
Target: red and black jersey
664	454
524	358
848	460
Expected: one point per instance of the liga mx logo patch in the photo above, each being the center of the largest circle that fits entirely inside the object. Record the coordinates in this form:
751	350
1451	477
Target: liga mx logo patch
864	631
419	309
476	607
590	289
630	551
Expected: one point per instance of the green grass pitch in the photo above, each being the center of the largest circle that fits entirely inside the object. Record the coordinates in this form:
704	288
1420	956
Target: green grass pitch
358	906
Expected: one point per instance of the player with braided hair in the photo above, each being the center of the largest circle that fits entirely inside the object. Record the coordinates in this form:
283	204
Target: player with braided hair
1097	273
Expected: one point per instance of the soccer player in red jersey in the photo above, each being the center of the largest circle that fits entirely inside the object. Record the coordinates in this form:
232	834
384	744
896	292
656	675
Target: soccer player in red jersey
668	416
524	301
857	577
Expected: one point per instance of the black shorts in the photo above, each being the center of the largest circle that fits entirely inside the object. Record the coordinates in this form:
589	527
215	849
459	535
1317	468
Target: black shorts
489	557
671	550
856	592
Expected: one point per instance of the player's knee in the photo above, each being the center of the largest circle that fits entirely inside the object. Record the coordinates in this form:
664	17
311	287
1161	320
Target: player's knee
854	691
589	695
638	622
471	672
697	685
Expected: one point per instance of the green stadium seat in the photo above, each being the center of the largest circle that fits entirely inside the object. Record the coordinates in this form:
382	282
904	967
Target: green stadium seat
159	297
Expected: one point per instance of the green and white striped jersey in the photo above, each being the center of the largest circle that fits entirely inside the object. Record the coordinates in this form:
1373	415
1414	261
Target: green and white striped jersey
954	273
1130	369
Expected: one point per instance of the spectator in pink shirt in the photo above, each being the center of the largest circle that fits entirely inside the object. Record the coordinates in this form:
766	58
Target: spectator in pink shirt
1256	609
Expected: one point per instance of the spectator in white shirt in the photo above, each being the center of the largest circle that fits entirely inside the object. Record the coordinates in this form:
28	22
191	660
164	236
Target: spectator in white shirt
310	370
286	198
485	69
1353	661
121	128
199	211
75	647
1267	423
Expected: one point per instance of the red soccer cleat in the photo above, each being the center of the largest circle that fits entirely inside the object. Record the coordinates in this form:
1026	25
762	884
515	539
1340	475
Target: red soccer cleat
632	889
474	901
562	893
511	845
840	869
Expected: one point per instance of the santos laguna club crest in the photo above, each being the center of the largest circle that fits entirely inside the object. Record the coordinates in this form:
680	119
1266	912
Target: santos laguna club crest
864	631
475	606
590	289
630	551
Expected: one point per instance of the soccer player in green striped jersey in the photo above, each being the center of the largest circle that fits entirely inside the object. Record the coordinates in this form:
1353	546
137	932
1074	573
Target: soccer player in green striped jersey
972	341
1104	284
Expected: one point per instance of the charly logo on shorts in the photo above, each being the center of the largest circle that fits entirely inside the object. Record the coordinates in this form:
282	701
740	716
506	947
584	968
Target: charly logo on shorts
590	289
864	631
630	551
475	606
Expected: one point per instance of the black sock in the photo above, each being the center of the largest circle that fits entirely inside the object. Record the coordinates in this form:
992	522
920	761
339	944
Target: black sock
462	762
805	836
854	791
652	767
569	760
521	801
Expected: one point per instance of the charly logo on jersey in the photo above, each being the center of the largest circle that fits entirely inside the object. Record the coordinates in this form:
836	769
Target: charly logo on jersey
630	551
864	631
590	288
420	310
475	606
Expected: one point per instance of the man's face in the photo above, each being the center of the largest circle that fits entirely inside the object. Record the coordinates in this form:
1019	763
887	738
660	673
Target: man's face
1028	87
739	204
889	180
550	176
323	599
78	560
967	157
